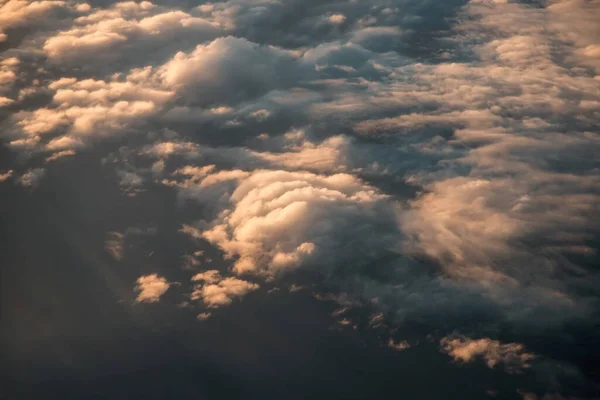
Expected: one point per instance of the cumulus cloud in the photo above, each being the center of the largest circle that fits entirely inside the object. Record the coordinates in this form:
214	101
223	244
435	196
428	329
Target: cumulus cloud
229	70
115	241
60	154
217	291
89	108
8	75
279	220
513	356
19	13
150	288
203	316
123	32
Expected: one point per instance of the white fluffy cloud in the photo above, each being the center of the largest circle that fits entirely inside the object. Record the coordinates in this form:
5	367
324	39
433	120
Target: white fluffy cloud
278	220
20	13
150	288
398	346
217	291
230	69
123	29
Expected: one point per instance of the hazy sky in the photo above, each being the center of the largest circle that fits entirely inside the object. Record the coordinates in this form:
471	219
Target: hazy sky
300	199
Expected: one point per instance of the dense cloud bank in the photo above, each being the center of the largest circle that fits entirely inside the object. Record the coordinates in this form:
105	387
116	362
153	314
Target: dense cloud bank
438	163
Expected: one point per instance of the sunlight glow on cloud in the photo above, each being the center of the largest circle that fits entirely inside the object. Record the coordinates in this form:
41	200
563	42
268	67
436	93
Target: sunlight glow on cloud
218	291
438	161
512	355
151	287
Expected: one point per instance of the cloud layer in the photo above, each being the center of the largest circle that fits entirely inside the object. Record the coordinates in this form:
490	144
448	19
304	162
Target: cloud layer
438	162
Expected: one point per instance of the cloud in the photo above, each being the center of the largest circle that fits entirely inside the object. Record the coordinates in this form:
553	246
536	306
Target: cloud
463	349
279	220
6	175
218	291
114	245
337	18
301	154
229	70
32	177
290	228
151	287
62	143
18	14
60	154
209	277
125	33
399	346
203	316
88	110
130	179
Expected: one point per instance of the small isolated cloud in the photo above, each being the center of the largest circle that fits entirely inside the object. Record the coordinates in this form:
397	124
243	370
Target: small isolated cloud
32	177
337	18
463	349
130	179
60	154
114	245
217	291
190	261
260	115
124	32
377	321
150	288
21	14
228	70
6	175
203	316
399	346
